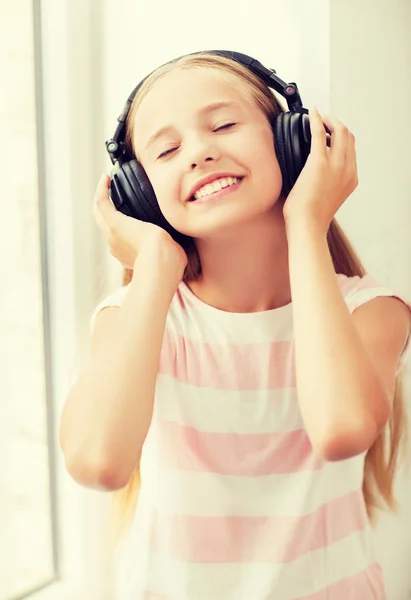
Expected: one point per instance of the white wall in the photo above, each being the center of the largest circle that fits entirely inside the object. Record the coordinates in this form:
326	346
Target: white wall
370	60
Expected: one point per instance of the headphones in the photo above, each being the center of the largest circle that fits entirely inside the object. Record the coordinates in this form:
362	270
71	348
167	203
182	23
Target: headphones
131	190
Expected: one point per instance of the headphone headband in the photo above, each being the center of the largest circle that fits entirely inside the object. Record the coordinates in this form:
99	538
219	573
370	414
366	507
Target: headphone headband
131	190
116	145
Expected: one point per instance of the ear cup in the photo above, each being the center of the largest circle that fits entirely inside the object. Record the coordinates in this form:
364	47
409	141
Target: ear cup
134	199
144	188
283	161
292	140
133	195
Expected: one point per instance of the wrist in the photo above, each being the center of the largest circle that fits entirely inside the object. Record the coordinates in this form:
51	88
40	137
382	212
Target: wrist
300	225
164	261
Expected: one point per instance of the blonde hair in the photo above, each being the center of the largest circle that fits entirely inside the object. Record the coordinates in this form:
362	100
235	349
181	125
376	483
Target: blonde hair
382	458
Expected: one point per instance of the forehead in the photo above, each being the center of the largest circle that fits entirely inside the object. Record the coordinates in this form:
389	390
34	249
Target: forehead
179	94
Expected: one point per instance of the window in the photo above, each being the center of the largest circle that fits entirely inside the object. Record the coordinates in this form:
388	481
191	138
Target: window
27	507
52	531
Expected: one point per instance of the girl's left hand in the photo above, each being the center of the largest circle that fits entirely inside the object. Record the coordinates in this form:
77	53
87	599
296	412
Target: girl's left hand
328	177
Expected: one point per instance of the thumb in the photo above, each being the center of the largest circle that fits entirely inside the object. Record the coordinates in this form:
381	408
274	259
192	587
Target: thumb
102	199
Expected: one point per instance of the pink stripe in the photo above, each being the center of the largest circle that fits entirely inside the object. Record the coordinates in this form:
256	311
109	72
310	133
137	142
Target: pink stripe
366	585
256	539
182	302
228	366
185	448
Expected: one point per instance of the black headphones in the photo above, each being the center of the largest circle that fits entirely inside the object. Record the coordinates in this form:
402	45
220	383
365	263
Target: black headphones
131	190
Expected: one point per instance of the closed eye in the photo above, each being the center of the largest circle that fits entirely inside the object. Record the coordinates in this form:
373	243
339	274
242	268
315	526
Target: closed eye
166	152
226	126
221	128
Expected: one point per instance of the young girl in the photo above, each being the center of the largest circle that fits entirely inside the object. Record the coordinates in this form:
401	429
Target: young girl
243	385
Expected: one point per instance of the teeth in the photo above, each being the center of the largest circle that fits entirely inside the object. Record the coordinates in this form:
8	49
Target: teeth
216	186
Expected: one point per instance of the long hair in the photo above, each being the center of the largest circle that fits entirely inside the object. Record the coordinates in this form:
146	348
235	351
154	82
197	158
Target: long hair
382	458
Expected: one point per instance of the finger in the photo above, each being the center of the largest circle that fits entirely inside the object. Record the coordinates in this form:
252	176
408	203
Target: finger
351	160
341	145
102	187
102	201
101	206
101	224
318	133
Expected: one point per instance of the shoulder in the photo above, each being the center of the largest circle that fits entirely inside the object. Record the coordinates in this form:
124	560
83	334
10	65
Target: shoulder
382	318
113	300
387	317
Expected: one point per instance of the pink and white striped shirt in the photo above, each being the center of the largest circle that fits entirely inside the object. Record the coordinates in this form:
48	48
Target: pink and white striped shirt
234	505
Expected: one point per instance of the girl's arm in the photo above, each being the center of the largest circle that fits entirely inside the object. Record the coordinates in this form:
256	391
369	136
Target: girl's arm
108	411
345	364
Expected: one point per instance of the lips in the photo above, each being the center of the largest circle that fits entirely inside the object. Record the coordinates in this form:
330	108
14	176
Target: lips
208	180
216	195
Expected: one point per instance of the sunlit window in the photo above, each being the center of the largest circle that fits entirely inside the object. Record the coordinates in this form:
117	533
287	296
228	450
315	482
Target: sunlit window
27	520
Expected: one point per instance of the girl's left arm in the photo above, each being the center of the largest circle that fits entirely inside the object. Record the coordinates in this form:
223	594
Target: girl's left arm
345	364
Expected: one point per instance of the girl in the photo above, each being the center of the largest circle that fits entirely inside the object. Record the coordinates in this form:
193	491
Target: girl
249	379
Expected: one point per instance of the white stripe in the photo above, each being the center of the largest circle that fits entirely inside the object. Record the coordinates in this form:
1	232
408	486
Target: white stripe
199	321
357	298
208	325
302	577
114	299
207	494
227	411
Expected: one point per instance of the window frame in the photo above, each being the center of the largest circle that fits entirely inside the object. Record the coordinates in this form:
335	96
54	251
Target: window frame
67	83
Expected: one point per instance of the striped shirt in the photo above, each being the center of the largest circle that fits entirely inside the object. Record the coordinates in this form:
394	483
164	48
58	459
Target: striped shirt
234	504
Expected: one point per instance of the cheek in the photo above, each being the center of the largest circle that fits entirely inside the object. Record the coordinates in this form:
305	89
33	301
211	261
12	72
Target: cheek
168	194
266	165
260	147
163	186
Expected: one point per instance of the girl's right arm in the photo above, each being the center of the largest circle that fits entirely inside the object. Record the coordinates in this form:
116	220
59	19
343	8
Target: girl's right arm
108	411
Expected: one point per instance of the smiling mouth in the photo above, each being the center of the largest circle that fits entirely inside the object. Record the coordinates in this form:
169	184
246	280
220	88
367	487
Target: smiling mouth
224	185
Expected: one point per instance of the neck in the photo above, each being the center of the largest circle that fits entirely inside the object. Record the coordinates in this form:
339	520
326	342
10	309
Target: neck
246	270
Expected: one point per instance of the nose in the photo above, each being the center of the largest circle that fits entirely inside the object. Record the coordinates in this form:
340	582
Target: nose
198	163
203	151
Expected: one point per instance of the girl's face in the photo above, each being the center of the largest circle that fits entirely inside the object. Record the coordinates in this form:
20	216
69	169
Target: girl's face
193	128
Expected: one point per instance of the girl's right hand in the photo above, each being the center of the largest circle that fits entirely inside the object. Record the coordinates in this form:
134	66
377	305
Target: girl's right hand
127	237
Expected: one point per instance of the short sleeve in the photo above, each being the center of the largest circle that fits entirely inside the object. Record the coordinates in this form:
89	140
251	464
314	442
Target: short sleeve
359	290
114	299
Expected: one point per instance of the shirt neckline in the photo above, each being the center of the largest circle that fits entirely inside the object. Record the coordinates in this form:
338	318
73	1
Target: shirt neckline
280	312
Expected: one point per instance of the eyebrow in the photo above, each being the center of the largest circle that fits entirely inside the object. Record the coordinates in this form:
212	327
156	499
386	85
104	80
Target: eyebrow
205	110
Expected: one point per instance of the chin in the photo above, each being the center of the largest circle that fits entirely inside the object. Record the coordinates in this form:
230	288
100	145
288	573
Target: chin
223	227
216	220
